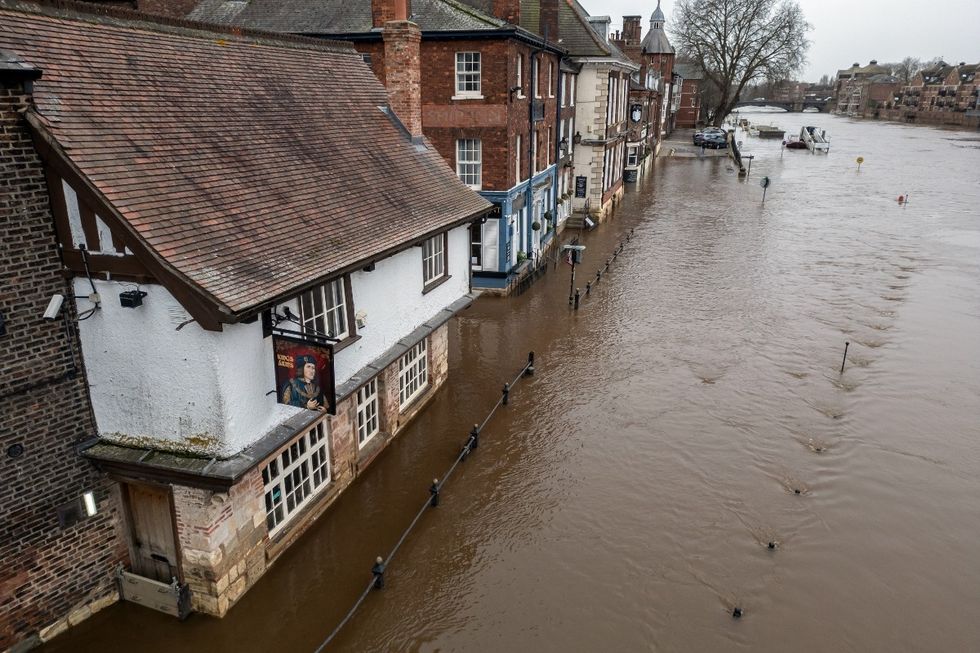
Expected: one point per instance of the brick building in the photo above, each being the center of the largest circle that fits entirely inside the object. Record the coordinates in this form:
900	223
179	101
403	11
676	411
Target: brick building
655	56
645	91
689	102
597	149
491	97
259	315
58	559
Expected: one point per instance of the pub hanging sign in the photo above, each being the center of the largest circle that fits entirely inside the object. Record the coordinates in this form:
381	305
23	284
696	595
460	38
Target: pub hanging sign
304	373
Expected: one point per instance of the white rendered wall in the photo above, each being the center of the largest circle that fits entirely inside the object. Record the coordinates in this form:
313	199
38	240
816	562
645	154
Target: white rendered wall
392	298
194	389
207	391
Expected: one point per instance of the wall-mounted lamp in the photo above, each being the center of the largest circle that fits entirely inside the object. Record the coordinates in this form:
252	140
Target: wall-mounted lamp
369	267
577	138
131	298
514	90
88	500
360	318
563	144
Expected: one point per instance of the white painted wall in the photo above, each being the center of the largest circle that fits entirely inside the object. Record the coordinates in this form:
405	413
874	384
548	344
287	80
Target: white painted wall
206	391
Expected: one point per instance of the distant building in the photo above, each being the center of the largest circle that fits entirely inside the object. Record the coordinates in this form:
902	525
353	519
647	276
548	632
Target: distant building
856	86
689	110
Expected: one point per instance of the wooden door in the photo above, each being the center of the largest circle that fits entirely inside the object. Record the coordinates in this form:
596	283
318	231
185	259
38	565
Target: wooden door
154	544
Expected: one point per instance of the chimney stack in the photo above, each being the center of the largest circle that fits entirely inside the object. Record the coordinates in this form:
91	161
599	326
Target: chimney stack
510	10
549	19
631	29
403	76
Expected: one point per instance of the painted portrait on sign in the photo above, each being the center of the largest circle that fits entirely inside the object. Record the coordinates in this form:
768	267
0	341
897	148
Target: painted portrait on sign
304	374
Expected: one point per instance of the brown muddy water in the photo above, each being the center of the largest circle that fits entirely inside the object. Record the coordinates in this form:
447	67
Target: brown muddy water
625	500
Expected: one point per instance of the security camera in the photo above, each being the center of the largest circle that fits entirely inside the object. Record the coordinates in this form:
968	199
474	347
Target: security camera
54	307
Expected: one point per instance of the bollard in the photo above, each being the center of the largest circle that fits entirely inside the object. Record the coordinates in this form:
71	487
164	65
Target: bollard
607	264
379	573
772	545
598	276
434	491
737	612
846	345
529	370
588	287
475	437
506	392
578	295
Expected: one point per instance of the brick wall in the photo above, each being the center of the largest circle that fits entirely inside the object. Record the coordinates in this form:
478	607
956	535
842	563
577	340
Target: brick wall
497	118
48	573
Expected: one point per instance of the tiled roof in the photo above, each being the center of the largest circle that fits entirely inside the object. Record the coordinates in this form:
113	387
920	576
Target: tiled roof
688	70
656	42
576	33
337	16
250	166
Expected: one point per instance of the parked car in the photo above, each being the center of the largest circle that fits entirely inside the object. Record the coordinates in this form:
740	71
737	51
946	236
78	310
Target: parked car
699	137
715	140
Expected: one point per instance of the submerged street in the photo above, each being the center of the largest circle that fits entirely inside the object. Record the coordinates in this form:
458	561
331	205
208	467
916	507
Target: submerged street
688	414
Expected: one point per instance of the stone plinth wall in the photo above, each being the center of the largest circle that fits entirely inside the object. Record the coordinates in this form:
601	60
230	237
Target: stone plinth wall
224	540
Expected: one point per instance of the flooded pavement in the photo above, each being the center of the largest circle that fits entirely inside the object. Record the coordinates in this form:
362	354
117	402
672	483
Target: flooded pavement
690	413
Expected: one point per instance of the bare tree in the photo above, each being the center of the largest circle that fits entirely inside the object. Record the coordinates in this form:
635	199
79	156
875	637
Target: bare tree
906	69
737	42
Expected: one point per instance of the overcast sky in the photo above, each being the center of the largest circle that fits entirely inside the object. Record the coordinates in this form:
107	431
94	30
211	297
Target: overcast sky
845	31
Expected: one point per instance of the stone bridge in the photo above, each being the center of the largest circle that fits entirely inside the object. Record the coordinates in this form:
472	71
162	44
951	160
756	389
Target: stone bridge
795	105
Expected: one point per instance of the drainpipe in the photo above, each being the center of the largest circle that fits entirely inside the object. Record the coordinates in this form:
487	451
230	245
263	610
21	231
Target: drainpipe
554	186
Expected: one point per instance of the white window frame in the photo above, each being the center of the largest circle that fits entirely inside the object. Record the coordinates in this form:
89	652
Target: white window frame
468	69
368	412
295	475
518	144
433	259
549	148
469	162
413	374
520	76
571	93
533	170
535	69
333	312
563	83
551	79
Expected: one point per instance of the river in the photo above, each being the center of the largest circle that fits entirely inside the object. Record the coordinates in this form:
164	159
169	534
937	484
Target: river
688	414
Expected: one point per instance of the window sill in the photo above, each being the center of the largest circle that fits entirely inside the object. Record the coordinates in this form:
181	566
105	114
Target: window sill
467	97
345	343
410	404
435	284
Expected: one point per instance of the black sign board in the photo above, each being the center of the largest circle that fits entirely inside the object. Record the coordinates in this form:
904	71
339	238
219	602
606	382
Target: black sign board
580	186
304	373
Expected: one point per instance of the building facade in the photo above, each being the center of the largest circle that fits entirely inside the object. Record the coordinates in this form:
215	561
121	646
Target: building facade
689	99
257	319
60	519
491	105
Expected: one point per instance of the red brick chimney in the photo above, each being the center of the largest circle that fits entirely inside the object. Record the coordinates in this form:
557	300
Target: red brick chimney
509	10
403	76
631	29
383	11
549	19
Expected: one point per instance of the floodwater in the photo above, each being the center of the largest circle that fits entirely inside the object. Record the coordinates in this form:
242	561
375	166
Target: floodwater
689	413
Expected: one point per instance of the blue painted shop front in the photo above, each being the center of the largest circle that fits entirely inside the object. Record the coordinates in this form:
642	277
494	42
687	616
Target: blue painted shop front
502	246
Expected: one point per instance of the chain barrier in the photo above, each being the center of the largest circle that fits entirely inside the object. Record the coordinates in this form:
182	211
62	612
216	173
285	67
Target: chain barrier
381	564
592	283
